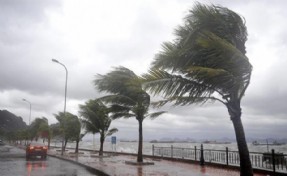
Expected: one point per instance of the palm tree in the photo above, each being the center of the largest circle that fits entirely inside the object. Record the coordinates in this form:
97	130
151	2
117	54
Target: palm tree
78	139
96	120
55	132
205	62
25	135
39	128
44	131
127	98
70	126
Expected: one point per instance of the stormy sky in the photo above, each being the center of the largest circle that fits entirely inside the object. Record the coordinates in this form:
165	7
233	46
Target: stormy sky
92	37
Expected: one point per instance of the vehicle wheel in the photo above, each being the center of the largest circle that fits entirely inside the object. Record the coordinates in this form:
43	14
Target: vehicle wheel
43	156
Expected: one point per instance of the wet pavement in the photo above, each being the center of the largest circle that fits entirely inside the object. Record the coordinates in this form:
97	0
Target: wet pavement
115	165
13	163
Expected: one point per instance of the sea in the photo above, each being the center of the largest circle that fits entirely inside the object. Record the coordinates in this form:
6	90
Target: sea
132	146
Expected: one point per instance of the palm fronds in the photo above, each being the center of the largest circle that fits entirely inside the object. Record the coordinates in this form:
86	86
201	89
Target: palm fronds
155	114
207	56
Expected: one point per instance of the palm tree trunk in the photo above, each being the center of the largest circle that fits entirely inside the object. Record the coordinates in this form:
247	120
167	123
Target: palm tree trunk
245	163
94	147
65	144
49	142
102	139
77	146
235	115
140	153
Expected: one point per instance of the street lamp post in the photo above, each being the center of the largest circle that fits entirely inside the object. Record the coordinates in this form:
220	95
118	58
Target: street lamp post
30	109
56	61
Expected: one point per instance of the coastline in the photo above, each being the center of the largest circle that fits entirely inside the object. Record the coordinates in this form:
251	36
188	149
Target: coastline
132	146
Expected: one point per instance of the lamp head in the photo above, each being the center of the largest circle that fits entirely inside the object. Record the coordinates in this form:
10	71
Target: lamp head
54	60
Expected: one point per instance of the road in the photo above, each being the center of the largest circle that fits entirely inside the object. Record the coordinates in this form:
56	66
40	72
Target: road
13	163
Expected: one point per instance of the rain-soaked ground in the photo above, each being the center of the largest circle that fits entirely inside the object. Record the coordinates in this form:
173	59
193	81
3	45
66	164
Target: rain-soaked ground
13	163
116	165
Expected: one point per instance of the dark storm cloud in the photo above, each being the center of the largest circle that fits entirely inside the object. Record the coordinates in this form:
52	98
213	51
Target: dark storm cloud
20	46
267	91
272	103
17	15
30	9
141	44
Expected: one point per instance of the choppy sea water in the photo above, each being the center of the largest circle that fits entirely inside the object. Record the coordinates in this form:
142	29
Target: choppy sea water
132	147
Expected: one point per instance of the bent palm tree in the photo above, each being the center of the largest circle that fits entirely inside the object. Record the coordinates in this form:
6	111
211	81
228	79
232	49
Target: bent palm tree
206	62
96	120
128	99
55	131
40	128
69	125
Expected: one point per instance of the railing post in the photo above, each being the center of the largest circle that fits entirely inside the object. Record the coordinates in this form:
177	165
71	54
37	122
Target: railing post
273	160
195	153
171	151
152	150
201	155
227	156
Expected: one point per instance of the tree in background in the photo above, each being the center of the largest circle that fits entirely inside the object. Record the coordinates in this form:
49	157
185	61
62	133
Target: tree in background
206	61
78	139
44	131
55	131
26	135
96	119
70	126
39	128
127	98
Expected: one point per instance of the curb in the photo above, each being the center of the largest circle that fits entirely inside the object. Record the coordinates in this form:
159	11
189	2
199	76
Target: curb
90	168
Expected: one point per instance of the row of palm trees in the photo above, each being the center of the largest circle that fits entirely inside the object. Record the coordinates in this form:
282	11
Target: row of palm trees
39	128
126	98
205	62
94	119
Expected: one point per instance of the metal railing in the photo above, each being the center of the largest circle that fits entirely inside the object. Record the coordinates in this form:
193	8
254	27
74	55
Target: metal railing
272	161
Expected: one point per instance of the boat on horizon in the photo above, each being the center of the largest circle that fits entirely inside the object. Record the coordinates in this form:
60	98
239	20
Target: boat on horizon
172	141
215	142
273	143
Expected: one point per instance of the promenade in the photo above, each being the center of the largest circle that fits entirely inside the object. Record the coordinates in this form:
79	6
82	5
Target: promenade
115	165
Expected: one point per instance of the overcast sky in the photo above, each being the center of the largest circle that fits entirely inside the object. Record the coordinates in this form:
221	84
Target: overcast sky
92	37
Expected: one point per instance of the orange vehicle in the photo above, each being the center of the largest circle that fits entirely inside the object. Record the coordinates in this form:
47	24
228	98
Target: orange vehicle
36	150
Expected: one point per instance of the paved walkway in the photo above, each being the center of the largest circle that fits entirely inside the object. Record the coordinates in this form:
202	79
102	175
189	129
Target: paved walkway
115	165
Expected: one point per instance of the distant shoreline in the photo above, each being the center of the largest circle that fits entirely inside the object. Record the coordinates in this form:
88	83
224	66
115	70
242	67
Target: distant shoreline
156	141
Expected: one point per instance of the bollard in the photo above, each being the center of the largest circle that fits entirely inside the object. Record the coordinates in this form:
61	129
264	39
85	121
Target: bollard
195	153
201	155
273	159
227	156
171	151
